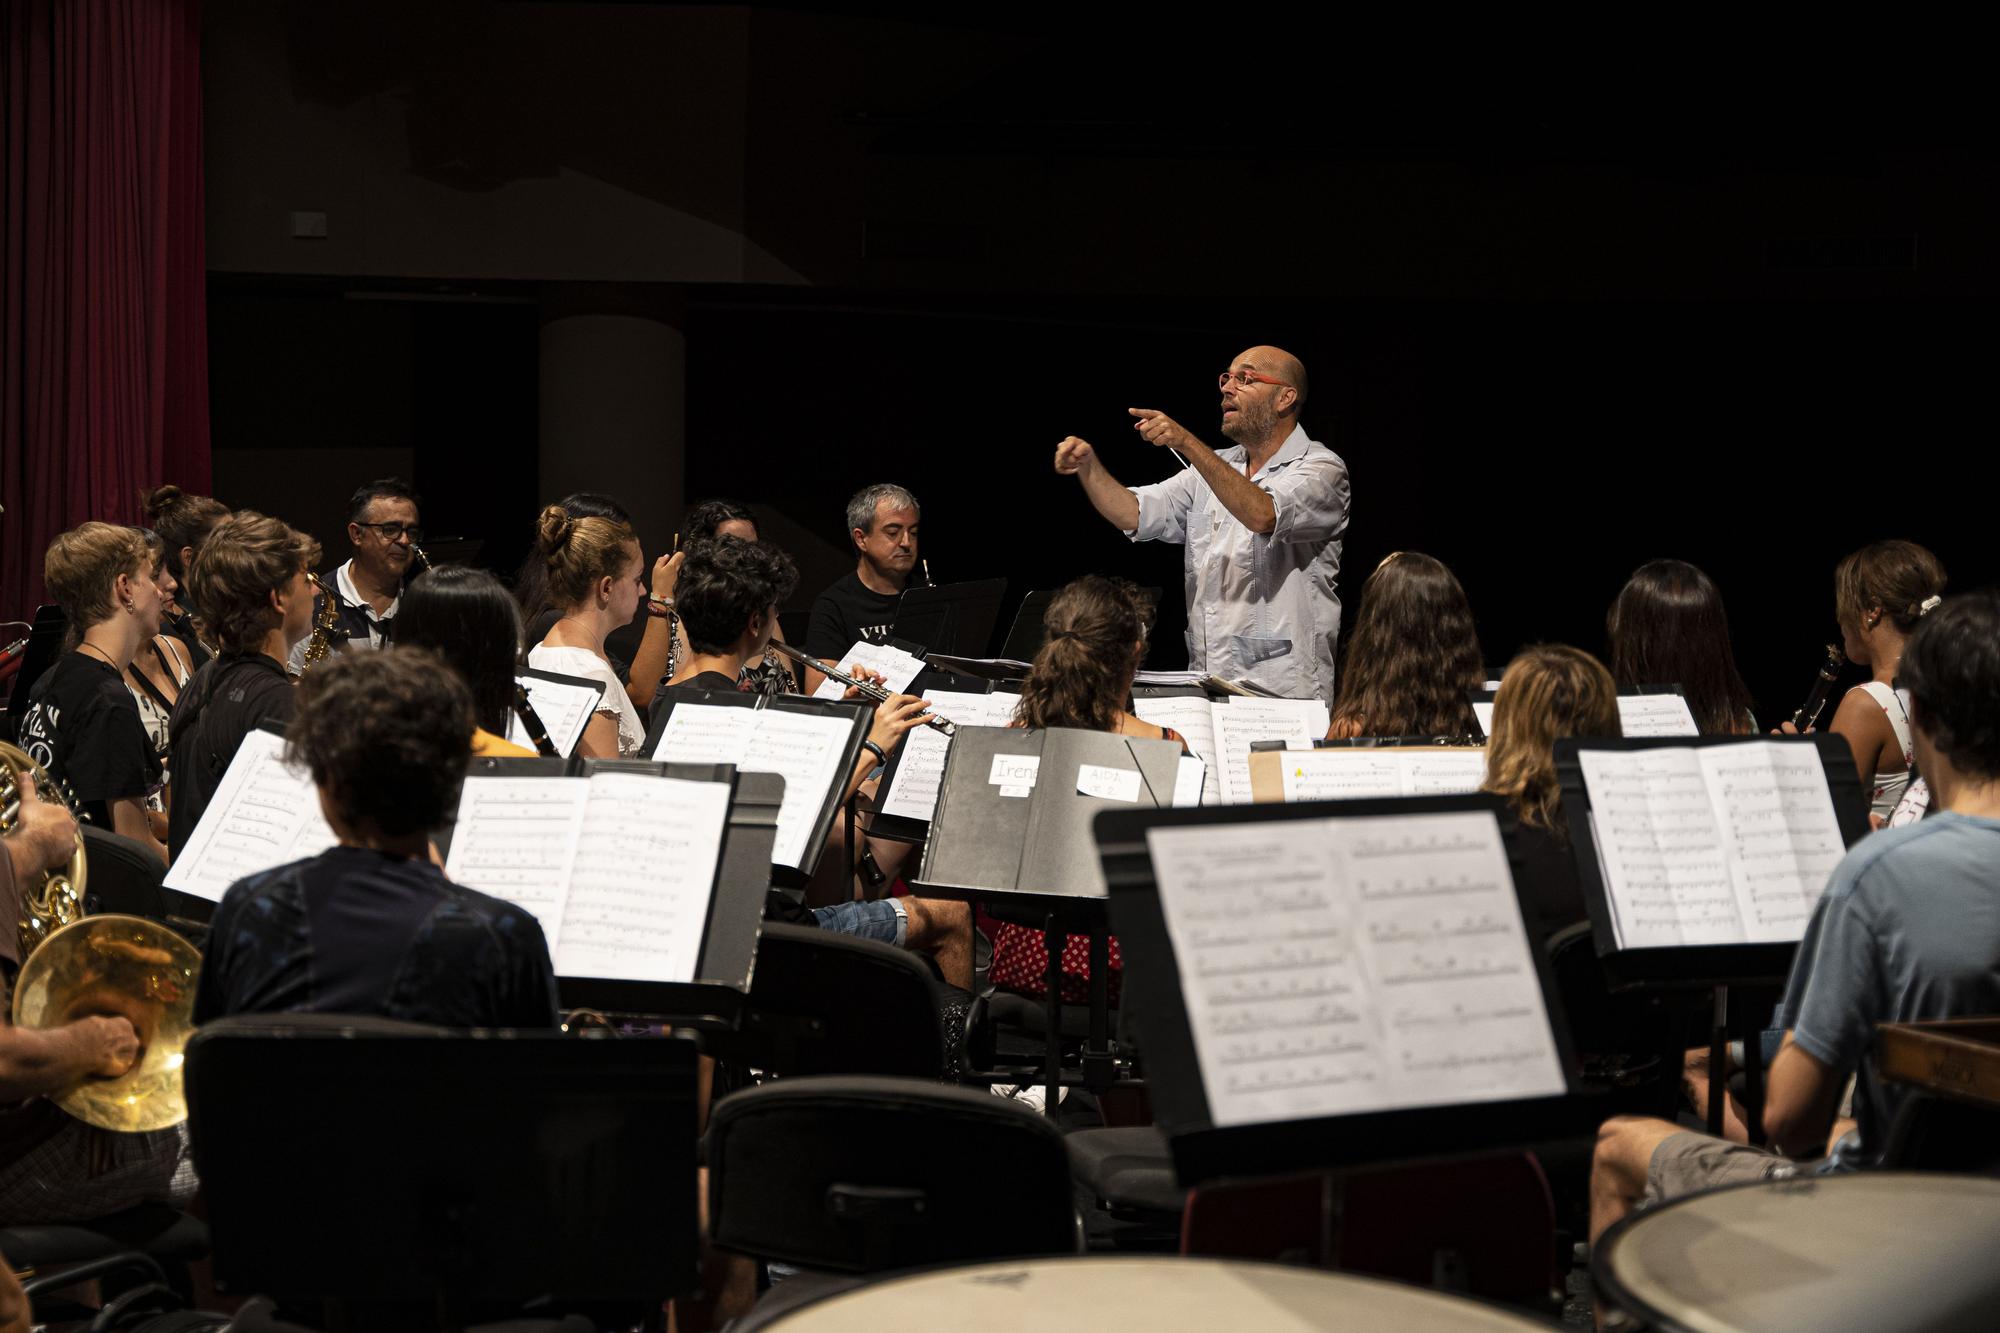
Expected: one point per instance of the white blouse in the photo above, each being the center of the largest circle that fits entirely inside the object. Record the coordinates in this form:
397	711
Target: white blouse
616	702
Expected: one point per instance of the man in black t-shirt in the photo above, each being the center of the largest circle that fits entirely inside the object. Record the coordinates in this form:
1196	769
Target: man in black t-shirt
253	581
882	523
372	926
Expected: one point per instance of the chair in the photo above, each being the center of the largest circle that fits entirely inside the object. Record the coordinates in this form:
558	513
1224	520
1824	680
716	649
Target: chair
822	1003
865	1175
123	875
144	1249
382	1172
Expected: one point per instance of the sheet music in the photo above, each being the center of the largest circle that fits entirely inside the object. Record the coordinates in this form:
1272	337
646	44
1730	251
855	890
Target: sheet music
913	792
564	708
805	749
516	839
1343	773
1778	825
1190	781
1239	721
640	888
1194	718
706	734
1655	715
264	814
1338	966
897	667
1660	845
1483	710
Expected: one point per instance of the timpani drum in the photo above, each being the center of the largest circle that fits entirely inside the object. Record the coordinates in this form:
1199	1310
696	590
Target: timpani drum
1158	1294
1870	1251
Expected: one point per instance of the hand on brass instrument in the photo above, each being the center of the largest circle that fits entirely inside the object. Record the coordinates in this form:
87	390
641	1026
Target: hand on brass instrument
113	1044
1071	455
667	573
894	716
1157	428
45	837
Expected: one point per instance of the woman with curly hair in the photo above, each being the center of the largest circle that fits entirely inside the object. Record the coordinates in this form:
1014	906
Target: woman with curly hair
1412	657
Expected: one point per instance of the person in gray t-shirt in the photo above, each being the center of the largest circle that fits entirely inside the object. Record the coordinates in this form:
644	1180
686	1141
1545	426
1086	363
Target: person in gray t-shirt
1907	929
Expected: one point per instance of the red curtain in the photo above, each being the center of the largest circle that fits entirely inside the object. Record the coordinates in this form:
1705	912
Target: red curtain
104	387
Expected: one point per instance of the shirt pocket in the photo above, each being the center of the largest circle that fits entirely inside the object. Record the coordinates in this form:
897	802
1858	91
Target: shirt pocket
1250	650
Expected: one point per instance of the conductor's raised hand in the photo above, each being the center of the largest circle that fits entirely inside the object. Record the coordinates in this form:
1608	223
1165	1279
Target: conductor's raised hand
895	716
1157	428
1072	454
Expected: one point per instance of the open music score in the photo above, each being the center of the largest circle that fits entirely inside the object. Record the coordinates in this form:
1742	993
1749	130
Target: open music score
563	703
803	748
913	791
1638	715
1344	773
1220	733
896	667
264	814
1340	966
618	867
1726	844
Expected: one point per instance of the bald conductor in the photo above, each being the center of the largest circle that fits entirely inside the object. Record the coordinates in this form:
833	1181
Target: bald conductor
1259	524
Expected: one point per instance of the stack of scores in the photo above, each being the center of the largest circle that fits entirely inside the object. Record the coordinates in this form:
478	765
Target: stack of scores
619	868
1340	966
1725	844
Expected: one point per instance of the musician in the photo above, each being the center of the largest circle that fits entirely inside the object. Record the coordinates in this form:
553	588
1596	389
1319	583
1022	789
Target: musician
159	672
1548	692
253	580
768	674
81	723
1260	523
728	595
653	658
596	574
466	618
1668	627
1413	654
882	523
372	926
383	529
54	1168
1906	931
182	522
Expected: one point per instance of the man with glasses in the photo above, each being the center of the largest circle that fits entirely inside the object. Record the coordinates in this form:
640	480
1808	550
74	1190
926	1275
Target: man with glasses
1260	524
382	527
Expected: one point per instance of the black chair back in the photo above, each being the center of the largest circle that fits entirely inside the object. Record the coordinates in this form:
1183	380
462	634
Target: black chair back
863	1175
357	1164
1621	1039
822	1003
122	875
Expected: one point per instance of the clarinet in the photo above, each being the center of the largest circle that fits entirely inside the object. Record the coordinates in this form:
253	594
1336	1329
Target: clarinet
532	724
868	691
1822	686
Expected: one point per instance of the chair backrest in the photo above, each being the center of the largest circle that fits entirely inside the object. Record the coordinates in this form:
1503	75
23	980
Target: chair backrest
1619	1038
122	876
364	1161
1933	1133
822	1003
864	1175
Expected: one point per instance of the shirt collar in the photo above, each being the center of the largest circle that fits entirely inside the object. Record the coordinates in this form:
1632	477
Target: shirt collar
1291	451
343	580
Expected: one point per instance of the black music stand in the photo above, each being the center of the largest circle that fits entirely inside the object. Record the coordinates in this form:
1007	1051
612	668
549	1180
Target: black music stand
1686	973
1204	1151
45	639
859	716
396	1177
1024	637
903	828
1031	851
954	618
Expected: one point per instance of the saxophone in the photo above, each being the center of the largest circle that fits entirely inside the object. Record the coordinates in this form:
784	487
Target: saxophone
326	623
57	899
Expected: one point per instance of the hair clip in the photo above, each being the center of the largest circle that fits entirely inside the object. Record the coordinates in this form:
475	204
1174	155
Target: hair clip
1929	604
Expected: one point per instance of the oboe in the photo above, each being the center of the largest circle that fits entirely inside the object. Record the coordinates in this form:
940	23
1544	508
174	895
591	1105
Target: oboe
1822	686
868	690
531	723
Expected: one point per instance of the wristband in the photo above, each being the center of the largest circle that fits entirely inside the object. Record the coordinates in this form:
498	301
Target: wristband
881	755
659	606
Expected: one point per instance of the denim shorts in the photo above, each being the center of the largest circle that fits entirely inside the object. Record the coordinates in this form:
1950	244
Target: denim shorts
882	920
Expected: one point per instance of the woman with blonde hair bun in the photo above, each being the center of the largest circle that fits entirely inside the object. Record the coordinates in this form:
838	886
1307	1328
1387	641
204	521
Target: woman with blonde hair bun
596	578
1548	692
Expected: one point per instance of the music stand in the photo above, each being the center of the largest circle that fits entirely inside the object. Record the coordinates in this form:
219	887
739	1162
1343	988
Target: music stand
1024	637
953	618
1689	970
443	1178
1485	697
1204	1150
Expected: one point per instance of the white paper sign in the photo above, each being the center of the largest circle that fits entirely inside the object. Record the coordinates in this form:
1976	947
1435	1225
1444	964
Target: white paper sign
1107	783
1015	774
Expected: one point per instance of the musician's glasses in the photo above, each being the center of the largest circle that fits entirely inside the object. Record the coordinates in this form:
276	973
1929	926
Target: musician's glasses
1244	378
393	531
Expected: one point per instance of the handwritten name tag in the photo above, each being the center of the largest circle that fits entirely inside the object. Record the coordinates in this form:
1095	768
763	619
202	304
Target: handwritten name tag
1111	784
1015	774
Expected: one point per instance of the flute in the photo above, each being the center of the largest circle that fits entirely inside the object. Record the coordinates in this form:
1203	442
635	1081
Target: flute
868	689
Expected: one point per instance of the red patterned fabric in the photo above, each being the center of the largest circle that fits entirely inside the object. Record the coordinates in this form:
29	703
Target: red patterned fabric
103	317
